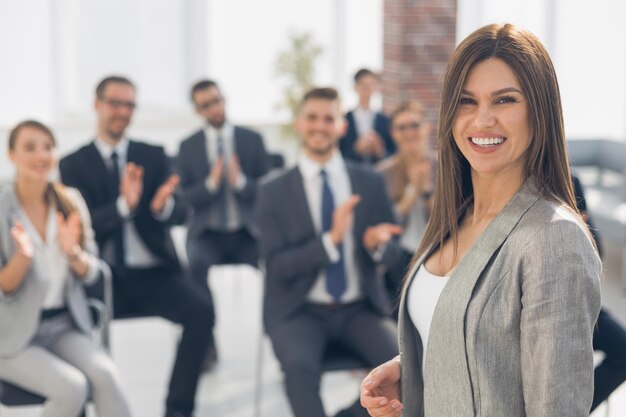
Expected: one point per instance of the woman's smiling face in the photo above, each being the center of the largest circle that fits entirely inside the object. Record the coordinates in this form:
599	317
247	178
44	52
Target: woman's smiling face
491	126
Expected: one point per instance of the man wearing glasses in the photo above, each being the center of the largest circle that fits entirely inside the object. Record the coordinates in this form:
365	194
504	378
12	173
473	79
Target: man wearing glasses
130	194
219	166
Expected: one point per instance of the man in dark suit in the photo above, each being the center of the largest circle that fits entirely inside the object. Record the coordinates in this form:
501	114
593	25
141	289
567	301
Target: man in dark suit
367	138
325	228
130	196
219	166
609	336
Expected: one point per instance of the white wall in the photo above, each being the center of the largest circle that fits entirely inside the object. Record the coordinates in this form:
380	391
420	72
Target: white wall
587	42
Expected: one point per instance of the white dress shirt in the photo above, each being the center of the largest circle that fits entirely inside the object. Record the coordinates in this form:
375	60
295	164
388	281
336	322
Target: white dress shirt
49	261
136	253
364	120
342	190
423	296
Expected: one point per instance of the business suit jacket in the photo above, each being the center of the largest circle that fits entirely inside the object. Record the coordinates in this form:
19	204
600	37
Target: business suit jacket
86	170
293	250
512	331
381	126
194	168
20	310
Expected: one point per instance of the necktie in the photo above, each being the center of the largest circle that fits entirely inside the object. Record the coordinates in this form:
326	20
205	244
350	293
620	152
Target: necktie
223	204
118	242
335	273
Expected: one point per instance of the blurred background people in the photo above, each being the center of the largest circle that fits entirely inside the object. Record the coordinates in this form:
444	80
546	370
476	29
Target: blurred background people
409	177
366	138
219	166
325	227
130	193
47	256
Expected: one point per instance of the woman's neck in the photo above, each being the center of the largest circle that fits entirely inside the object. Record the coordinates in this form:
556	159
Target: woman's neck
492	193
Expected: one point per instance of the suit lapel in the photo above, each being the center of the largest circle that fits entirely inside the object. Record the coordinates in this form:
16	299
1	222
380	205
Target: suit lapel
301	206
359	210
98	169
446	343
201	154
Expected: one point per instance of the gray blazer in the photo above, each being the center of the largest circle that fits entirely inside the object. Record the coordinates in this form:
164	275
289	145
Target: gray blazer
20	310
194	168
293	251
512	331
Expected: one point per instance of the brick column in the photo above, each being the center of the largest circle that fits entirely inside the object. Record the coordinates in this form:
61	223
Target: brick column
419	37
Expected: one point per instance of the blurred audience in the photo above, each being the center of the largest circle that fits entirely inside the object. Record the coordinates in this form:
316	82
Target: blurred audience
366	138
409	178
325	227
609	336
47	255
130	194
219	166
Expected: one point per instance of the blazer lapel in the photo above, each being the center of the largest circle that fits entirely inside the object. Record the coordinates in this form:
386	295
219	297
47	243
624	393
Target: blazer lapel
446	342
99	170
301	207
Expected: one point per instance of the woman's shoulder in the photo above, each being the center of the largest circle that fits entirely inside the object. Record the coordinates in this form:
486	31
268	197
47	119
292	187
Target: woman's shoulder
548	223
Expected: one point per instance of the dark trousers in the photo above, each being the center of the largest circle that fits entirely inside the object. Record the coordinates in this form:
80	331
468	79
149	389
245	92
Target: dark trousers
610	338
168	293
219	248
300	342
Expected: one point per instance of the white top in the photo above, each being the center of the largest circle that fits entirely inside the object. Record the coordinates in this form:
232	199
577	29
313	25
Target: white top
136	253
342	190
364	120
49	261
423	296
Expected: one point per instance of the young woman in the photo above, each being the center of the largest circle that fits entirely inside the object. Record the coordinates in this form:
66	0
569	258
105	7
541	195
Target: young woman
47	254
409	177
498	311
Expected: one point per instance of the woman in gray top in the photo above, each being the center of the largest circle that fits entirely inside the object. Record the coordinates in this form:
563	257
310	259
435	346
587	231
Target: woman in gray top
511	329
47	253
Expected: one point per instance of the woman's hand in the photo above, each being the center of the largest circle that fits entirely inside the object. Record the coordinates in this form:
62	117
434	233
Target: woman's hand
23	241
68	233
380	390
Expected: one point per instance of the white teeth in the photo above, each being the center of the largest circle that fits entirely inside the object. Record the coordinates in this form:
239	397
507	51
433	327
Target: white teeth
487	141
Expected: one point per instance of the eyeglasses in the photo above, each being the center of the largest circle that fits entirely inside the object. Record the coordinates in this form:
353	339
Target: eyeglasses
208	104
118	104
407	126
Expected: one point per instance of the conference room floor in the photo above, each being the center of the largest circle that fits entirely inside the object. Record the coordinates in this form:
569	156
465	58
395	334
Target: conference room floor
144	352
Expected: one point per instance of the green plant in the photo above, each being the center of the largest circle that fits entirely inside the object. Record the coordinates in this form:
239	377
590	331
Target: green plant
295	65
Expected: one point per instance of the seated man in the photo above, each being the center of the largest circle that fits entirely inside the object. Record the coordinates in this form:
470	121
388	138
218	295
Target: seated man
608	337
132	203
325	226
219	166
367	138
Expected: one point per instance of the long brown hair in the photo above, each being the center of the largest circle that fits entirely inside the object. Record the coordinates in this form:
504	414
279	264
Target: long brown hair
547	154
56	194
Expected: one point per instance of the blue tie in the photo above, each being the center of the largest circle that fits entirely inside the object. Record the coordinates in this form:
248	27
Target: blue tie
335	273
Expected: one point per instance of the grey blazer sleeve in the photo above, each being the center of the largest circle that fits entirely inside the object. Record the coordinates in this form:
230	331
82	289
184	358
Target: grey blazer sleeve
560	305
95	264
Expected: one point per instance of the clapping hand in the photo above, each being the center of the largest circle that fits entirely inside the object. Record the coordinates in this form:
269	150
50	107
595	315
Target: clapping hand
380	234
234	171
23	241
163	193
131	184
68	233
